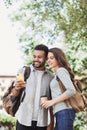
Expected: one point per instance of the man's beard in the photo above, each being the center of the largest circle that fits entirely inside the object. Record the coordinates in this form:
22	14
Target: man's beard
39	65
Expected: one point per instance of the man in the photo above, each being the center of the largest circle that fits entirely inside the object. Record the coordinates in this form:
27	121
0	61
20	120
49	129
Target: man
30	115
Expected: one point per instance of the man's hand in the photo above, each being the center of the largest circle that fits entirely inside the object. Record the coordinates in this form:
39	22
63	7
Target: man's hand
18	85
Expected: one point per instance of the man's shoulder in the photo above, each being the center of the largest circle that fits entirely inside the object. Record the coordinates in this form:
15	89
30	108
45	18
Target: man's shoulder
49	73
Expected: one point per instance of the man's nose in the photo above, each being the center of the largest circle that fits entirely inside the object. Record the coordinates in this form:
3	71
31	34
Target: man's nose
36	58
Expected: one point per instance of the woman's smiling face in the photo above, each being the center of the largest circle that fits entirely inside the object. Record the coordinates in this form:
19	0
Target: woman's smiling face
52	62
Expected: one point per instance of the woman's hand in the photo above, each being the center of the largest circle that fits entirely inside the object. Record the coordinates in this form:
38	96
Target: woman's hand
47	104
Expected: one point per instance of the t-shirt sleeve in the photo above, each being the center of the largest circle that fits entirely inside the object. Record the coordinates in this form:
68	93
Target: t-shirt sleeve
64	76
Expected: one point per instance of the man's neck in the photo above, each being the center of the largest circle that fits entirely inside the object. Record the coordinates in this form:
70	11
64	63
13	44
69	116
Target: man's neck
40	69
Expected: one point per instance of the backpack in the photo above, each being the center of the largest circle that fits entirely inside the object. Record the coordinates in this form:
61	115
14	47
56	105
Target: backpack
78	101
12	103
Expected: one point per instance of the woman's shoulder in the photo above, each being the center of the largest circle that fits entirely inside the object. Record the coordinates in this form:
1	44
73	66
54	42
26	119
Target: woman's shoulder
62	71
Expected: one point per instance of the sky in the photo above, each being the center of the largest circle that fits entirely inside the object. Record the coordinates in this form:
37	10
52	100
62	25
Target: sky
10	55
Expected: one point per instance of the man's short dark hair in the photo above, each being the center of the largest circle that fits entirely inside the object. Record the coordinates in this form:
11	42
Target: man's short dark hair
42	47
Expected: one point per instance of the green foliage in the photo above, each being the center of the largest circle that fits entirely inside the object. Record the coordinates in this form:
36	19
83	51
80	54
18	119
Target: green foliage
77	56
8	3
73	21
41	21
80	121
7	121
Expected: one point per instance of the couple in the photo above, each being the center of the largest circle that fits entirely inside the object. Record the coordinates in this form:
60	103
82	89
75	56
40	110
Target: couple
32	113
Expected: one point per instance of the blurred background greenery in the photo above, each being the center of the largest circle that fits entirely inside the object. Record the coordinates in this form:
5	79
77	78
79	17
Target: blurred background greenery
61	23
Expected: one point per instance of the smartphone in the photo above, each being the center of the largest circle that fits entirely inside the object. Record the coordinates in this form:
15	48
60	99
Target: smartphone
20	77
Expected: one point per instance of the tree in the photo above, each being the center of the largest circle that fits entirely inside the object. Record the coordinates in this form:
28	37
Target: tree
43	20
74	24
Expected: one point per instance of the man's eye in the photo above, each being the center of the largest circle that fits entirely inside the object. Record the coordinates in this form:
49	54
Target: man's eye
40	57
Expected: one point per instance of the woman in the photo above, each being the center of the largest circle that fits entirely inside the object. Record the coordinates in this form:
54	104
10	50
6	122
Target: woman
63	112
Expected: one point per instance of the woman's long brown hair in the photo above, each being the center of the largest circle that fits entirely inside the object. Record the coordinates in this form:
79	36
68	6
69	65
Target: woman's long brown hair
62	60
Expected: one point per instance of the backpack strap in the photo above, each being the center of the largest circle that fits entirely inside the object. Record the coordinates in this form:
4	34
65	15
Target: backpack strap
26	75
27	72
63	89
